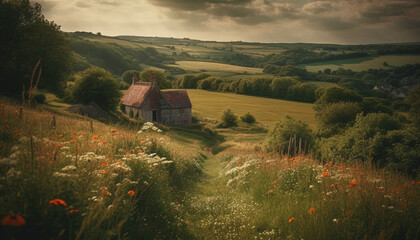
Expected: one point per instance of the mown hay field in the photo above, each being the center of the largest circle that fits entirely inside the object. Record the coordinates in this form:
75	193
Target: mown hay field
196	66
364	63
266	110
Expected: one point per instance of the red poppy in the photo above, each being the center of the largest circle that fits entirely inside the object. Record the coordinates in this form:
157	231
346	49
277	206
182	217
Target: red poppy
291	219
13	220
325	174
73	211
311	210
131	193
353	183
58	202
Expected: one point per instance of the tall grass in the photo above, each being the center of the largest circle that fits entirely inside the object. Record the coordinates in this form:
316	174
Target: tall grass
68	182
280	197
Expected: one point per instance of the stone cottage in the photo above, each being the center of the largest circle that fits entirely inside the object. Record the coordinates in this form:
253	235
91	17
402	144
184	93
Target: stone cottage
145	100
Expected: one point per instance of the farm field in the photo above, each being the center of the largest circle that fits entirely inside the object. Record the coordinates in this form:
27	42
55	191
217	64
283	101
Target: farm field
196	66
266	110
364	63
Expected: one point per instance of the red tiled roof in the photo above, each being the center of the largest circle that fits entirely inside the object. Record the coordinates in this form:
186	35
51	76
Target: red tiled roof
135	94
177	99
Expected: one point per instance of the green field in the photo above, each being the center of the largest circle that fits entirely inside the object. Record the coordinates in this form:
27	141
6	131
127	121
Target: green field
364	63
196	66
266	110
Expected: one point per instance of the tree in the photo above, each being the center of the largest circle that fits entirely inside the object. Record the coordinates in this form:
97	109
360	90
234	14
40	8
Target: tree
280	86
338	114
337	94
128	76
229	119
98	85
289	136
146	75
413	99
192	81
25	38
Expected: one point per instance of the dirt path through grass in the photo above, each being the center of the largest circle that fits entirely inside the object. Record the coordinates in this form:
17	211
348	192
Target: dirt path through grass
213	210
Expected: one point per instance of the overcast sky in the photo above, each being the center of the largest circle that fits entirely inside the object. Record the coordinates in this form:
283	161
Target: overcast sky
331	21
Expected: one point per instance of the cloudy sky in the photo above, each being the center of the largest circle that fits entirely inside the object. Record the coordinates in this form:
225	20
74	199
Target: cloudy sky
330	21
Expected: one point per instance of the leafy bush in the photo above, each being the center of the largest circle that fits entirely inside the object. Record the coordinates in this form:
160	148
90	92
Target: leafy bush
228	118
98	85
289	136
338	113
356	142
337	94
248	118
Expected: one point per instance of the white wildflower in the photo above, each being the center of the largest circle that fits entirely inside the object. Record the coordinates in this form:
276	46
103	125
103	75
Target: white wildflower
60	174
69	168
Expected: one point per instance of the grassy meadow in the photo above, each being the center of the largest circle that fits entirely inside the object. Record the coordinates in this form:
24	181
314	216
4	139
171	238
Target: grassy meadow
77	180
266	110
364	63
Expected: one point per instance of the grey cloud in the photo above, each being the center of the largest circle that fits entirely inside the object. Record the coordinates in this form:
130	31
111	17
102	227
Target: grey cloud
244	12
319	7
330	24
385	10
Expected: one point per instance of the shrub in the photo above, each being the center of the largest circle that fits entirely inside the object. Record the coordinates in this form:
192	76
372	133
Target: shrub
289	136
39	98
337	94
98	85
356	143
338	113
248	118
228	118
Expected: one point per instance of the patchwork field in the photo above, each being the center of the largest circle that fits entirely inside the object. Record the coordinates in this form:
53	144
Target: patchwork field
266	110
364	63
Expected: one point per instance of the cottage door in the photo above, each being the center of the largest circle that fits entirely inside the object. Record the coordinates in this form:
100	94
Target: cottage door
154	116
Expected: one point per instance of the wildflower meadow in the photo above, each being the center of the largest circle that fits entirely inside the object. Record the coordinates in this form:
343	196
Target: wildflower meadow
74	179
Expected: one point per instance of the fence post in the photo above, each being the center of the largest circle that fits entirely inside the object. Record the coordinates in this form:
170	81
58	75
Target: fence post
91	126
53	122
20	112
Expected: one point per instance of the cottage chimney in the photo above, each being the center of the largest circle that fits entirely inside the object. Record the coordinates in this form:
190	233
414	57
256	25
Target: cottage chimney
134	79
153	79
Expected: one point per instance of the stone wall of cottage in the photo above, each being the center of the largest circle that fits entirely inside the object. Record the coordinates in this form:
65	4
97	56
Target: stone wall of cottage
176	117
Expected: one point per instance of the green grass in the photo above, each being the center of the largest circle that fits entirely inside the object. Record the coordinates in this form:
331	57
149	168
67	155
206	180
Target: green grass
197	66
115	187
364	63
265	110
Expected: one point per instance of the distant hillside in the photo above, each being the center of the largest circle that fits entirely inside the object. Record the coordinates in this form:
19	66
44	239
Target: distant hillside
117	56
122	53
